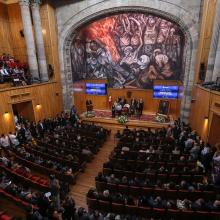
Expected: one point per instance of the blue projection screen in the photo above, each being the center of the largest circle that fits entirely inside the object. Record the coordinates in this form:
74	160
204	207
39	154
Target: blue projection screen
96	88
166	92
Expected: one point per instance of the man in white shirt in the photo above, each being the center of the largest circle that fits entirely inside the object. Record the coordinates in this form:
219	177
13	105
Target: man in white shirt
189	143
205	150
16	119
13	139
4	141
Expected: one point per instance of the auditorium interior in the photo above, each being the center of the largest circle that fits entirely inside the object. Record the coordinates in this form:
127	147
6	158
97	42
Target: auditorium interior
109	109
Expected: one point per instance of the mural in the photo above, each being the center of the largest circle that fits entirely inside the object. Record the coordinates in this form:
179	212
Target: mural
130	50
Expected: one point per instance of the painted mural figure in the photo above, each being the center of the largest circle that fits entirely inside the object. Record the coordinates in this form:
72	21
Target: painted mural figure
150	34
130	53
78	56
129	49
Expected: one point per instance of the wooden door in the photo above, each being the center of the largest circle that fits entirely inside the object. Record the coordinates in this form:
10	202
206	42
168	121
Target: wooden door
214	135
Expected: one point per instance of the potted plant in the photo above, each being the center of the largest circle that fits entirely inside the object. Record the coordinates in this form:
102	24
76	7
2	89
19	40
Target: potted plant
122	119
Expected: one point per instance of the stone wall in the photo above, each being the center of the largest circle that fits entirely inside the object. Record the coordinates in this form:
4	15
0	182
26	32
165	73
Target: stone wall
72	15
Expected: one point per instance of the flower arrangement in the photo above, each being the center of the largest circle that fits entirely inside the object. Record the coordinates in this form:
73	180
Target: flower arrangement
160	118
122	119
90	114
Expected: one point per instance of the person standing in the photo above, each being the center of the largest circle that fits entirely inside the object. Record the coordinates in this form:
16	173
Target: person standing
110	101
141	103
133	106
113	111
4	141
13	139
21	134
40	128
87	105
138	109
55	190
69	208
73	110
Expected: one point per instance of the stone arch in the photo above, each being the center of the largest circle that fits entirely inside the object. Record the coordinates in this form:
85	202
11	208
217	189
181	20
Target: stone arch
170	11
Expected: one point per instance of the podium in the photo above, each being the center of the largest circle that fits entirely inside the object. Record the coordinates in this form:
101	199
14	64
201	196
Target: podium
89	106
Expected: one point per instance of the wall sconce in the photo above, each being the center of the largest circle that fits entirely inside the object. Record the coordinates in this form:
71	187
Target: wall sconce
38	106
206	117
6	115
44	31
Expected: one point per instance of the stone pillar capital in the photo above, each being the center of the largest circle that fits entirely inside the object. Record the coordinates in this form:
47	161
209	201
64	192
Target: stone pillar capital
24	2
36	3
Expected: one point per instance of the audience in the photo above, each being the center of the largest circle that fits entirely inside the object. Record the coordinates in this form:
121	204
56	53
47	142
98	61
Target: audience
171	163
19	190
11	70
156	154
57	144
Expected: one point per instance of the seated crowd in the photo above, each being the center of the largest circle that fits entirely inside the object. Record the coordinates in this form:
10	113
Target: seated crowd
168	173
11	70
59	147
162	170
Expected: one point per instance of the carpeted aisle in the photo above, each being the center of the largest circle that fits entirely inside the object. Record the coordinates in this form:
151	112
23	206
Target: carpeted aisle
86	180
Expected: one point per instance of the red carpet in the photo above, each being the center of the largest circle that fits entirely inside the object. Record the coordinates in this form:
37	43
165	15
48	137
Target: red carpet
108	114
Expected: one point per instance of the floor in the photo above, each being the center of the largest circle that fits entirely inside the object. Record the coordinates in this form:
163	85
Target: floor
86	180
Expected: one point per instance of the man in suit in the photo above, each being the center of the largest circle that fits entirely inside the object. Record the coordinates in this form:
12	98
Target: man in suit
55	190
21	134
40	128
141	104
133	106
87	105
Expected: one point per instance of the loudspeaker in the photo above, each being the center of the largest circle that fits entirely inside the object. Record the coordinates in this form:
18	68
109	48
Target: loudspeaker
202	72
50	71
129	93
22	33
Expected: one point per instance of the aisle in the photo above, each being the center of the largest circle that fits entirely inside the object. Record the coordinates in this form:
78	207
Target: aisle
86	180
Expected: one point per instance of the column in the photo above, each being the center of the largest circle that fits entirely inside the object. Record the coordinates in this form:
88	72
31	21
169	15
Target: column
35	5
29	39
214	44
216	71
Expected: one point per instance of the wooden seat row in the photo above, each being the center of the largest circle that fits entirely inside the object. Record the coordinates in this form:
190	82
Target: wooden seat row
147	212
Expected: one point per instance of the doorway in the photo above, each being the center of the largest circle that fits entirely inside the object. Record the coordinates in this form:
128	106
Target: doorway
24	109
214	136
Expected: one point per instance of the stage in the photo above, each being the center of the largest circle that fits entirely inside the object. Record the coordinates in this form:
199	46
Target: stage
147	120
